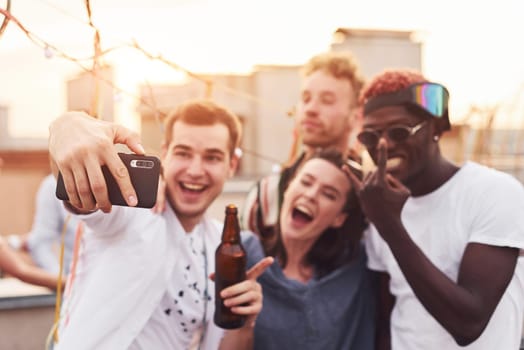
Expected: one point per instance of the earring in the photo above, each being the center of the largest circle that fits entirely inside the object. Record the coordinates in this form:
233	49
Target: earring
435	138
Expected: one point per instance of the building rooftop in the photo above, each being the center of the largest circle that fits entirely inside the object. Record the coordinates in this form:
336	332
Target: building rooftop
370	33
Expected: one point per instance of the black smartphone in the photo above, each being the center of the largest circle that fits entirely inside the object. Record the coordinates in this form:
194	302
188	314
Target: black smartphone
144	172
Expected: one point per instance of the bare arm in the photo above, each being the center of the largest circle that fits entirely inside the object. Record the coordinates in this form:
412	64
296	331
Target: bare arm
79	145
12	264
464	307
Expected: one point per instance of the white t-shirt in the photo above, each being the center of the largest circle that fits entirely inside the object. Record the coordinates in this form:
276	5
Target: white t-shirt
479	205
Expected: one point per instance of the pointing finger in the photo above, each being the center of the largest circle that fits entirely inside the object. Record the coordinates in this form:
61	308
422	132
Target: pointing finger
259	268
382	158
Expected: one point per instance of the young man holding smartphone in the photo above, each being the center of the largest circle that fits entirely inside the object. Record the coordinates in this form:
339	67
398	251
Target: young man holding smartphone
143	282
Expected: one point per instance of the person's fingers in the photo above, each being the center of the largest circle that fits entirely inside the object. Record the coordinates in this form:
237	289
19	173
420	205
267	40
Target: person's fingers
247	309
121	175
382	158
243	294
83	188
396	184
257	270
98	185
239	288
70	186
128	137
367	177
355	181
160	204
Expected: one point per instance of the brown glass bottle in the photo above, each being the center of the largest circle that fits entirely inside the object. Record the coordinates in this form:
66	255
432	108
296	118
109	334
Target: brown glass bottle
230	268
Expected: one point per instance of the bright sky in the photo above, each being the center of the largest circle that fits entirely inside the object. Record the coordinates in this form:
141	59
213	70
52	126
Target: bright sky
472	46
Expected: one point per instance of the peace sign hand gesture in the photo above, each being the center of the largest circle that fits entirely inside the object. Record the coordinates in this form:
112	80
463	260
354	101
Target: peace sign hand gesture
381	195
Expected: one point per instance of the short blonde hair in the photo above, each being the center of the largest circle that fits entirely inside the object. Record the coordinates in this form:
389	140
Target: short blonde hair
339	64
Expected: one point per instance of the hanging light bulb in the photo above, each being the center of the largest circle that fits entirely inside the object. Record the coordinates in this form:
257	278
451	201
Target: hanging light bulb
118	97
238	152
48	52
276	168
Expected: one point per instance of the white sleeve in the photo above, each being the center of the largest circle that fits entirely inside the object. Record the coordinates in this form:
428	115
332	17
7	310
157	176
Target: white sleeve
111	224
497	213
47	226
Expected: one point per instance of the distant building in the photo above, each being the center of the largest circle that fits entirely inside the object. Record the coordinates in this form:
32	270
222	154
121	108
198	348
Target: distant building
85	91
8	142
26	160
380	49
264	98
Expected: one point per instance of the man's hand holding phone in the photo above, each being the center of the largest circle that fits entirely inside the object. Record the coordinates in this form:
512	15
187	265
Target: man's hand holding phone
144	172
80	146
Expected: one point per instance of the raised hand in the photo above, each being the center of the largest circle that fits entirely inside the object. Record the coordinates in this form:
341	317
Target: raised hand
381	195
79	145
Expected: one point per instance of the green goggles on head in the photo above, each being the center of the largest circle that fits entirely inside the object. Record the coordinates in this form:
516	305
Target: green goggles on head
431	97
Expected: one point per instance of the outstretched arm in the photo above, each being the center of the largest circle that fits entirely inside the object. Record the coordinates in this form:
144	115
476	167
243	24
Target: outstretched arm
15	266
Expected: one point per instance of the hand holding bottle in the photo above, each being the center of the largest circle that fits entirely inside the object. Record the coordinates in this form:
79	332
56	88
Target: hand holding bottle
245	298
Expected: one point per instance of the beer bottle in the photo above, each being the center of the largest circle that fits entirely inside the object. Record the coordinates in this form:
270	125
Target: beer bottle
230	268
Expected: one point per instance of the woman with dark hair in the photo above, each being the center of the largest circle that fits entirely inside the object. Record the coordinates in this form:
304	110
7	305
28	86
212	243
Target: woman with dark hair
319	294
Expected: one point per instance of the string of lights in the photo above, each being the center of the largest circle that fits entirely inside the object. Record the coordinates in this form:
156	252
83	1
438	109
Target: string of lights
210	85
51	50
96	61
5	21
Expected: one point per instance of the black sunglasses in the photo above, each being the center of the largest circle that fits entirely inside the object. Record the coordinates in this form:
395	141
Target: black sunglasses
395	133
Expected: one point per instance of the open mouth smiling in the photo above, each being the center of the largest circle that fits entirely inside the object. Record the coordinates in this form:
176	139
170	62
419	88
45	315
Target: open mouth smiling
192	187
393	162
302	214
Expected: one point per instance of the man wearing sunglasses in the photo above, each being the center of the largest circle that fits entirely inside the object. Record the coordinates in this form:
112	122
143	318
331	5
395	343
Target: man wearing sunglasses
445	238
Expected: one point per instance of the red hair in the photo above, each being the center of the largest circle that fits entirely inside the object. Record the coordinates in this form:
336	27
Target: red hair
390	81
